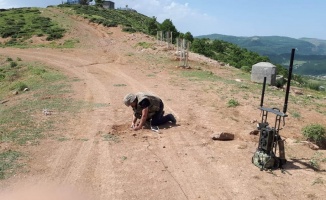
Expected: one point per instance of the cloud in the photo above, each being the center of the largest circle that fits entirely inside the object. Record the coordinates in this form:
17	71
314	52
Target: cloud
4	4
29	3
184	16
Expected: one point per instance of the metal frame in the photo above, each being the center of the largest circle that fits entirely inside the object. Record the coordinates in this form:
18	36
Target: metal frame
279	115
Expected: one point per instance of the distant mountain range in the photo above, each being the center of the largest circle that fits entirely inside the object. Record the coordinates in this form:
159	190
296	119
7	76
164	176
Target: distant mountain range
310	57
267	45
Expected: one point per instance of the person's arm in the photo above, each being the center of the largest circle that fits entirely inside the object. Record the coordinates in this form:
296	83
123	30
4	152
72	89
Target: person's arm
134	120
142	120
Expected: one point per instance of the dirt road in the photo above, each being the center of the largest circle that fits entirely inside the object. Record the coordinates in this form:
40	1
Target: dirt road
180	162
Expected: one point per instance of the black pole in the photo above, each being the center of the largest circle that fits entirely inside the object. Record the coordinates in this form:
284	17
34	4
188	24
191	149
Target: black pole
263	93
289	82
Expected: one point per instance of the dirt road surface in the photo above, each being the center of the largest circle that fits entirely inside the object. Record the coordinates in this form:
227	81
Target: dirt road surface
181	162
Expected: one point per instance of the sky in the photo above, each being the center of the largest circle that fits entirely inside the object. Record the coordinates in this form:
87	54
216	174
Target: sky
290	18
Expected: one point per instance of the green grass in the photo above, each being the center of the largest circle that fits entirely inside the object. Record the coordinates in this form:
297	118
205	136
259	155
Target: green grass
130	21
296	115
70	43
316	159
28	22
111	138
9	163
22	122
145	45
200	75
314	132
233	103
48	89
20	24
62	138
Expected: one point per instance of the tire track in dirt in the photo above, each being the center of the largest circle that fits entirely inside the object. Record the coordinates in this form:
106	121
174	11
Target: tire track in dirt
70	160
190	164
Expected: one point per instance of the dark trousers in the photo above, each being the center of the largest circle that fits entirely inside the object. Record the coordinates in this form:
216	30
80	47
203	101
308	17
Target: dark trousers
158	118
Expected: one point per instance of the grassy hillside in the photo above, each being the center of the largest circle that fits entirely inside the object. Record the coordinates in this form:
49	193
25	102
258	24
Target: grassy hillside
130	20
20	24
321	44
310	53
227	52
269	45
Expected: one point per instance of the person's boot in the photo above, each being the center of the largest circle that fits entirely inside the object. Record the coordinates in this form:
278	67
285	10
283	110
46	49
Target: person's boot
153	128
172	119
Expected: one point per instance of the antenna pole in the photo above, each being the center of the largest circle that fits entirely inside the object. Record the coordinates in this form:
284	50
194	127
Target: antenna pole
263	93
289	82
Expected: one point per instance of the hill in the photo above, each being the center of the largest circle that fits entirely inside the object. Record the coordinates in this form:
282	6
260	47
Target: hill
69	132
269	45
311	53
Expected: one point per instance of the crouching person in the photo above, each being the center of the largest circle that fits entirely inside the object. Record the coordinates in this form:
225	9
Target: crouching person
147	108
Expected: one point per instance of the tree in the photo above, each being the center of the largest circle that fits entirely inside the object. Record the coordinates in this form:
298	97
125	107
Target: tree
99	2
167	25
201	46
151	26
219	46
84	2
188	36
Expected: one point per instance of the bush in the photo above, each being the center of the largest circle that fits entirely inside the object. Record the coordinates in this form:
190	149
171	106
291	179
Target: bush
246	68
129	29
314	86
2	76
314	132
12	41
279	82
54	35
110	24
233	103
13	64
20	86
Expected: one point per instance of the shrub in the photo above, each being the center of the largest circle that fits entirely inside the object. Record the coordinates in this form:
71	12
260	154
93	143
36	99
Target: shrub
20	86
37	71
314	132
54	35
2	76
313	86
13	64
9	59
110	24
246	68
279	82
233	103
129	29
12	41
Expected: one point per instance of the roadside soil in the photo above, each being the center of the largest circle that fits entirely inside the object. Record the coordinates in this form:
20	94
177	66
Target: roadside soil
104	159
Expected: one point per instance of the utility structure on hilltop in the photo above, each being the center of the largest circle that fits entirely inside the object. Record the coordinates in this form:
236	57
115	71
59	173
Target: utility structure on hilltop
105	4
108	4
73	1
